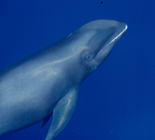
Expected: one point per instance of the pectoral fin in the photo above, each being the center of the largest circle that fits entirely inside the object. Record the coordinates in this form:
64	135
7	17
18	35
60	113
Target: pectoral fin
62	113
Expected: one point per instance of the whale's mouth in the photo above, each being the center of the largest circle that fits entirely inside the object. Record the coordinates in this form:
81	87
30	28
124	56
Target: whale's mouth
109	41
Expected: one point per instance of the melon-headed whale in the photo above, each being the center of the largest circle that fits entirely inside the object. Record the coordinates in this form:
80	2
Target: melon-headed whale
47	83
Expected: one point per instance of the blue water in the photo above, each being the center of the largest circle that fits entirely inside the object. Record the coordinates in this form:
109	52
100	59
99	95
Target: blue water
117	102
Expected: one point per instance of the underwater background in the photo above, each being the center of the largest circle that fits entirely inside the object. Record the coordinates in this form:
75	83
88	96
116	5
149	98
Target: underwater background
117	102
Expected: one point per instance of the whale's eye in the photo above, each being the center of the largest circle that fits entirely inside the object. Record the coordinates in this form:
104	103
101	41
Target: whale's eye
87	56
88	59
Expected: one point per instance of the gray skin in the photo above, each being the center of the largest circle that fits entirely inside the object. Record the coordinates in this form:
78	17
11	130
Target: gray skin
47	83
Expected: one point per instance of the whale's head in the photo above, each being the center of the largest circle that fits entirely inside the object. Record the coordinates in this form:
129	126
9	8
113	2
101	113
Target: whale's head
86	48
94	41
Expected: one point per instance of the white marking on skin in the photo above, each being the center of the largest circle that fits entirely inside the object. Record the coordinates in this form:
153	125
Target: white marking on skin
119	35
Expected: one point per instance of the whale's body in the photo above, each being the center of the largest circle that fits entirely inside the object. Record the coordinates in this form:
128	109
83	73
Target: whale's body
46	84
